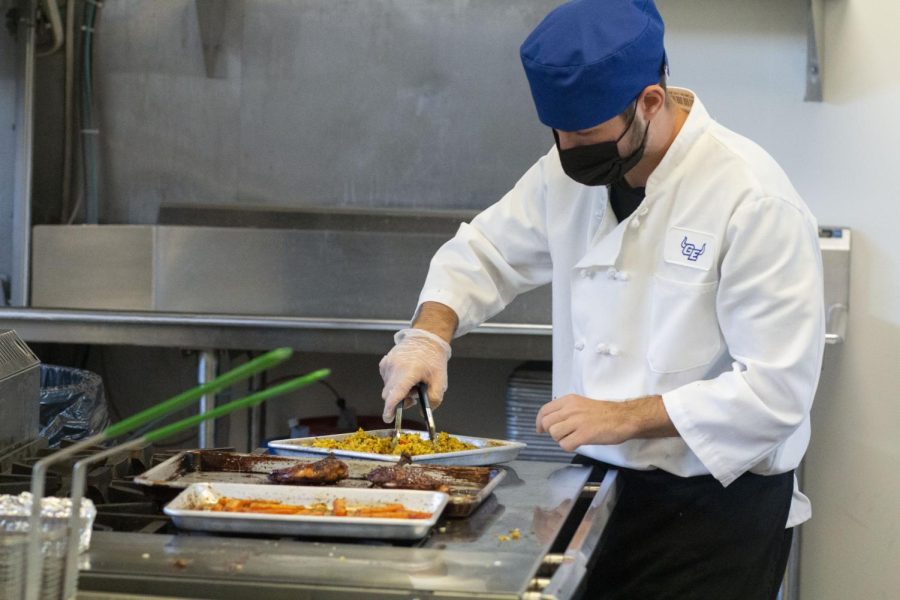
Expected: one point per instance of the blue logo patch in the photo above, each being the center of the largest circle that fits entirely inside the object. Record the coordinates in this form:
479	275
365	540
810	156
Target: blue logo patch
690	248
691	251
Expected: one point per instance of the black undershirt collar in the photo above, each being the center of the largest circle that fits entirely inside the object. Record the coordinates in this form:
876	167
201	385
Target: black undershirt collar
624	199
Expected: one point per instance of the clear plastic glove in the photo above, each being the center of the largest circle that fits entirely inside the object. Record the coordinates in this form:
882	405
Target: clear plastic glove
418	355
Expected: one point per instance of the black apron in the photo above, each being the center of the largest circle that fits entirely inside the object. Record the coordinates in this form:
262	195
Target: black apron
673	537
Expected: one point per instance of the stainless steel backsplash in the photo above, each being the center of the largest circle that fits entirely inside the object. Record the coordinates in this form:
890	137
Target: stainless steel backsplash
319	271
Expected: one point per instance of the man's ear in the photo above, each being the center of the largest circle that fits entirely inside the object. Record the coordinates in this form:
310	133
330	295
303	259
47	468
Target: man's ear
652	100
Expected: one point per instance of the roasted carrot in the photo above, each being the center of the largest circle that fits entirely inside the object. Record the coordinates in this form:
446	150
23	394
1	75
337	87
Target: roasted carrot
338	508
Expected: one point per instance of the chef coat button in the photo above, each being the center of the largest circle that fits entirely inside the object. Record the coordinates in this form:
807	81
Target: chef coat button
579	346
611	273
643	211
613	350
602	349
598	216
622	276
635	223
585	273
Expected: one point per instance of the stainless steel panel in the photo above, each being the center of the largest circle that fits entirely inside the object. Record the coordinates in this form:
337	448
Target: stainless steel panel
93	266
333	274
388	103
285	272
168	130
326	273
419	103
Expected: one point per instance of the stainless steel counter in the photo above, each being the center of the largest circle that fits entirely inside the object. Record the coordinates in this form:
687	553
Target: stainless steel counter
242	332
462	559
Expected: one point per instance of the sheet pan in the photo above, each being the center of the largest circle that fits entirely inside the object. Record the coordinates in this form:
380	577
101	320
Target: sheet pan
185	514
469	486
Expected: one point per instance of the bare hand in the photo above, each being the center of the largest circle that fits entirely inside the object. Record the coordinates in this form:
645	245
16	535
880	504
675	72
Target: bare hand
575	421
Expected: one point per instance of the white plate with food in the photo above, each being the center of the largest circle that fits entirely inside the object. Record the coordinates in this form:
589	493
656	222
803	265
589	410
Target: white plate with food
308	511
459	450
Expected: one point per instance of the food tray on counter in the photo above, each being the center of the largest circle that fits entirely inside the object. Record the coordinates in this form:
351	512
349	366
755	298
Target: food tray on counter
186	514
469	486
487	452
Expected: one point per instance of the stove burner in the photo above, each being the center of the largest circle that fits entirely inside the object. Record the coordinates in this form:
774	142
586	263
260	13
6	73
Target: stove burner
121	504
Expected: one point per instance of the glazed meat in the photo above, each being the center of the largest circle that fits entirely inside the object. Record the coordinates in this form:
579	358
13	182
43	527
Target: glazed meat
327	470
401	476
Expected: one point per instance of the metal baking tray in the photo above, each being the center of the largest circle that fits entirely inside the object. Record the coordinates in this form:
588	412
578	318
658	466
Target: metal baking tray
205	466
469	486
488	452
184	512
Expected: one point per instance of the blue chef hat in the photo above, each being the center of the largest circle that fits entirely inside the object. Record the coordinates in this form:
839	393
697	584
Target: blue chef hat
588	59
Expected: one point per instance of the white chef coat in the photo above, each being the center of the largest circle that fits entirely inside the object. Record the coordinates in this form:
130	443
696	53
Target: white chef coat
709	294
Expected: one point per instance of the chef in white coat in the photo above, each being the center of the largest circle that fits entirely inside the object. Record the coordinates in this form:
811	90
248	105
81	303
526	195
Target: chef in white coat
688	320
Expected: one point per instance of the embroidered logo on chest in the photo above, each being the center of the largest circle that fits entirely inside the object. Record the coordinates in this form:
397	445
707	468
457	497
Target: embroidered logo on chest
689	248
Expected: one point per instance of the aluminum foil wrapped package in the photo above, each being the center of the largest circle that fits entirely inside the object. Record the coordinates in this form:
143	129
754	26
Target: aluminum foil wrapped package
73	404
16	510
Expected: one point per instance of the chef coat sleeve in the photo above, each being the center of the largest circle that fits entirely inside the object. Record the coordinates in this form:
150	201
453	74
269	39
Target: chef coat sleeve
771	312
501	254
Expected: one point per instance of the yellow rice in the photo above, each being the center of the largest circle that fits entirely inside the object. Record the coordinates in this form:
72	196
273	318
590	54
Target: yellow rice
410	443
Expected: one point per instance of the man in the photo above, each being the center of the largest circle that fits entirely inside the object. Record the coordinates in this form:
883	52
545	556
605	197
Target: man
688	320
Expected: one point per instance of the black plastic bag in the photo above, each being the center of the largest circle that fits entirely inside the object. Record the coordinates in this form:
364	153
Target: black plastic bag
73	404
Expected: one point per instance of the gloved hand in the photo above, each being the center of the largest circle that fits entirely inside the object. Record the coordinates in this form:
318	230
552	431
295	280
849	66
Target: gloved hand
418	355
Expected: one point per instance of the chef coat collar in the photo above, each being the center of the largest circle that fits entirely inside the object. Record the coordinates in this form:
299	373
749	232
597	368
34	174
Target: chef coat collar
606	251
697	122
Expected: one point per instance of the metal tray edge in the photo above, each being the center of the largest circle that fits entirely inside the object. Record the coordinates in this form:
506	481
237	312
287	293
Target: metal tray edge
345	527
505	452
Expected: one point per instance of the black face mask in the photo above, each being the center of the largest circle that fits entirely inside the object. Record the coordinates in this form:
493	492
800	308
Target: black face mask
600	164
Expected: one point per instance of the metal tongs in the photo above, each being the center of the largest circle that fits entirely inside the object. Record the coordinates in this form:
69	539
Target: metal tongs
422	395
398	426
426	409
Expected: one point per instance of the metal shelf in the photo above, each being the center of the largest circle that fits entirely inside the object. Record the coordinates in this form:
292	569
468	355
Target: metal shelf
243	332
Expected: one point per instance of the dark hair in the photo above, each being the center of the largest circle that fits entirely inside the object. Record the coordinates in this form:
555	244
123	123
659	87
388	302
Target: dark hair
628	113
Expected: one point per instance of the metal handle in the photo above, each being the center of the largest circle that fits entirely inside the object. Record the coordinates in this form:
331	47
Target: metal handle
425	405
836	323
398	426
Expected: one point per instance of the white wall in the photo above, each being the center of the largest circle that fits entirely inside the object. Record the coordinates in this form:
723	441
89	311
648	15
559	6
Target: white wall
854	547
746	59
